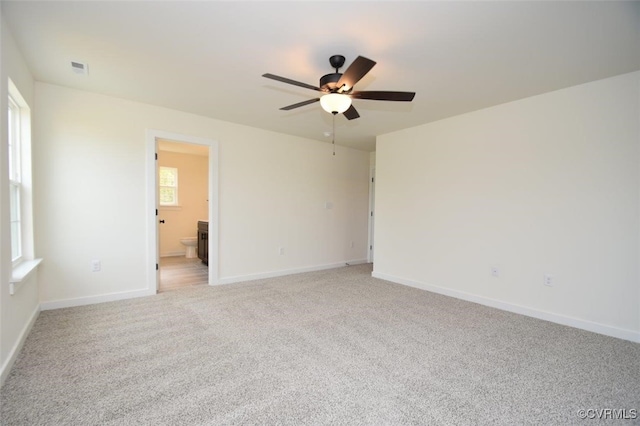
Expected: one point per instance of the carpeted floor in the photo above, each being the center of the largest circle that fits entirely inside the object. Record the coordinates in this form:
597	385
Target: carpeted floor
328	347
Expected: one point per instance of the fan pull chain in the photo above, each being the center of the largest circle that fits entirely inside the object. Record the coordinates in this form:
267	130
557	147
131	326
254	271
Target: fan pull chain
334	134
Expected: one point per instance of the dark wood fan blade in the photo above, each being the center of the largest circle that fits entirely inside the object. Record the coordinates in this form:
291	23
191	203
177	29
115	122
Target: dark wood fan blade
289	81
355	72
384	96
351	113
299	104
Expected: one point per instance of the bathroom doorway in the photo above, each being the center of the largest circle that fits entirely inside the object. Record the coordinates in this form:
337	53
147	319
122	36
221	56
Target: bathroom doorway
183	193
183	196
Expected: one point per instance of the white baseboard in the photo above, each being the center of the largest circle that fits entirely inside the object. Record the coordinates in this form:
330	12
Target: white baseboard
173	253
13	355
90	300
281	273
595	327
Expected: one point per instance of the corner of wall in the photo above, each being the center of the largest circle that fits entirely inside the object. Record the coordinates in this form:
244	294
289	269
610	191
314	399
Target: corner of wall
18	312
8	362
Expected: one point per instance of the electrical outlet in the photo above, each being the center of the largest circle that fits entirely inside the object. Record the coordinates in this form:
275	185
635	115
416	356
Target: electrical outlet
548	280
495	272
96	266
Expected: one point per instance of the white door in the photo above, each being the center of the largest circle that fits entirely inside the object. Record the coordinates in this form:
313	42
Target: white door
157	202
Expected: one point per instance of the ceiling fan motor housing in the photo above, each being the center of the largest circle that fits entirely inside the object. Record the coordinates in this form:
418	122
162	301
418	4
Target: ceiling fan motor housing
328	82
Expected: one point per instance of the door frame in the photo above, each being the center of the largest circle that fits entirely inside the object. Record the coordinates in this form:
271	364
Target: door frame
153	259
372	218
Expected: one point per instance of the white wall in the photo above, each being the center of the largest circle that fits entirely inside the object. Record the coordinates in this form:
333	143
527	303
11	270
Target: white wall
90	159
544	185
193	194
17	312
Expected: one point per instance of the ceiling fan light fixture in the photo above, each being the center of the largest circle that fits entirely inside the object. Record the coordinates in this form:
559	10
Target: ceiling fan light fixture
335	103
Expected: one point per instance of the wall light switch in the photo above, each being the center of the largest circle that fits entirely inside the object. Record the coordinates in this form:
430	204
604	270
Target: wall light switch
328	205
281	251
96	266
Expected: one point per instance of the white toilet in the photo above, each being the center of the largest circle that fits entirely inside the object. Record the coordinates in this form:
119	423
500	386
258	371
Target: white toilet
190	243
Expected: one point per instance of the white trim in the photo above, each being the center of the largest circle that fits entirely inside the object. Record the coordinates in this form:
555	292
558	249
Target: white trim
13	354
174	254
281	273
90	300
152	249
112	297
20	273
371	218
607	330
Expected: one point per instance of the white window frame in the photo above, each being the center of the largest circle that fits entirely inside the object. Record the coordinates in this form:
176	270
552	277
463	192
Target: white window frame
174	187
20	180
15	177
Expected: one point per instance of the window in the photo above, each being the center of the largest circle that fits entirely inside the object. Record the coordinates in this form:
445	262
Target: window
168	186
20	189
15	179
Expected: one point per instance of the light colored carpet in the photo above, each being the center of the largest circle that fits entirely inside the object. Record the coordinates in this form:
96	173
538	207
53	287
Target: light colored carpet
328	347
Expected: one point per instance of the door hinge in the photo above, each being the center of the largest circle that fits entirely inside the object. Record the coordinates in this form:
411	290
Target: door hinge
370	247
371	214
156	212
156	155
372	179
157	267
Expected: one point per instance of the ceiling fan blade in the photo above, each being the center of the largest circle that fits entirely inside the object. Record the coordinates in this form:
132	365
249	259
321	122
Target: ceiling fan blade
384	96
289	81
299	104
355	72
351	113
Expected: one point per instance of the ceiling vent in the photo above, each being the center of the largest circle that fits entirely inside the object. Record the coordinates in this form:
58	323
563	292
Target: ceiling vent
80	68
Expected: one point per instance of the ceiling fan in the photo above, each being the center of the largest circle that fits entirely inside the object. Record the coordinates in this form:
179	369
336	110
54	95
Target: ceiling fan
338	90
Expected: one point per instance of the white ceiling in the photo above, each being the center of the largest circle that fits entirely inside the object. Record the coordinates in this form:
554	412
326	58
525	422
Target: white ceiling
207	57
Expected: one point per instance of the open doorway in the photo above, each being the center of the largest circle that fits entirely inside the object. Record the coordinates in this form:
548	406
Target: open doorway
183	197
183	210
